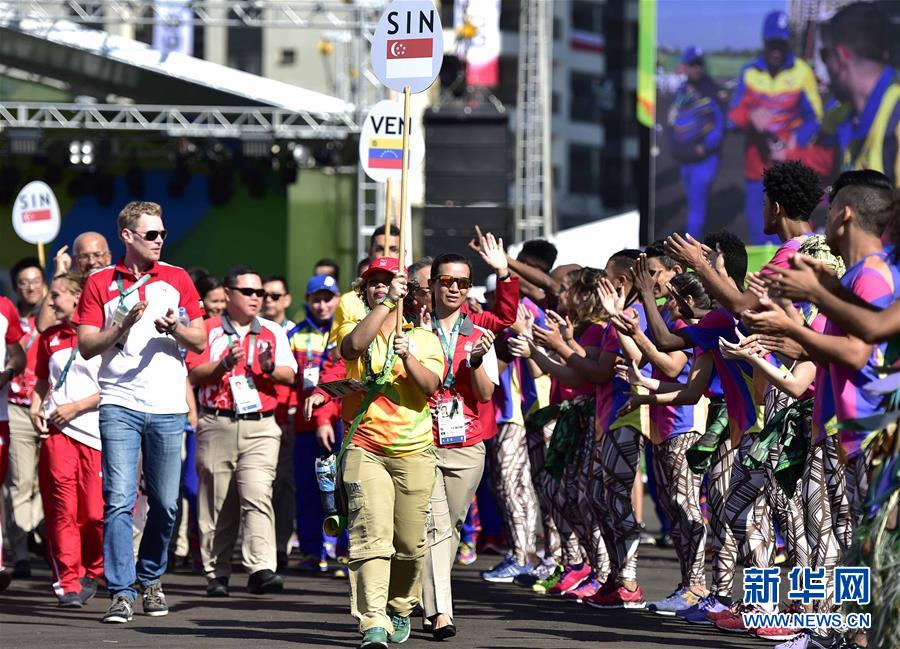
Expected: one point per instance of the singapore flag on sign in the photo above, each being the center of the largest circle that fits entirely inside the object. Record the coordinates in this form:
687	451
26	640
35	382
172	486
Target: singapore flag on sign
409	57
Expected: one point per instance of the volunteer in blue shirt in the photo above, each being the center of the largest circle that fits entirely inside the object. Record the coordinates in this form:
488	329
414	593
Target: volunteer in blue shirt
696	127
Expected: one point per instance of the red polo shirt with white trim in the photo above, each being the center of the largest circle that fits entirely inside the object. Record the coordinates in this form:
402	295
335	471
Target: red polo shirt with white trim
147	374
54	350
219	336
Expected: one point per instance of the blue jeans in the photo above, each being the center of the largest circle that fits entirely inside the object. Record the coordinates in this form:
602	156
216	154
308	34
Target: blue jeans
698	178
124	434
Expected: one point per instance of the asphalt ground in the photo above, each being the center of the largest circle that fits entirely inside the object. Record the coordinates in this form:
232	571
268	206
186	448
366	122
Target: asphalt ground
313	611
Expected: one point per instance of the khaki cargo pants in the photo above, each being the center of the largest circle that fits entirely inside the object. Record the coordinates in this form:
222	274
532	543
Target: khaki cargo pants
387	501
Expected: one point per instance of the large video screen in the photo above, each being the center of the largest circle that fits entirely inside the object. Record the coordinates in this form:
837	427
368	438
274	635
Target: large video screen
743	84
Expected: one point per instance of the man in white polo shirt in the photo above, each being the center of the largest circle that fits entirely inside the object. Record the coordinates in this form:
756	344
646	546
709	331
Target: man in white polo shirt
129	314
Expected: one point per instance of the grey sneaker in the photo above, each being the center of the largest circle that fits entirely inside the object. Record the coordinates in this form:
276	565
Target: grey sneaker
155	600
88	589
120	610
70	600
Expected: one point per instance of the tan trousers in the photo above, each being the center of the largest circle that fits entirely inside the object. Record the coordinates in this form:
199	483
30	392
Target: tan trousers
236	468
458	475
21	496
388	501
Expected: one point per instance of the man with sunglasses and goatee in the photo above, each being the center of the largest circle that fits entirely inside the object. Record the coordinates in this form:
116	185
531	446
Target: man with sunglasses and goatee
129	315
246	360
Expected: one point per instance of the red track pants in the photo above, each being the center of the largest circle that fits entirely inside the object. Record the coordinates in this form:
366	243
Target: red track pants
71	491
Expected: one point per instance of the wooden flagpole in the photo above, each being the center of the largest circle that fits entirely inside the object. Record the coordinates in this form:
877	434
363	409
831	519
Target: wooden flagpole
388	203
401	218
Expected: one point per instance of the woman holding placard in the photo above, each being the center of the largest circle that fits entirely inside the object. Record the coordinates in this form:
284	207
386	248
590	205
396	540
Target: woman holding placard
387	461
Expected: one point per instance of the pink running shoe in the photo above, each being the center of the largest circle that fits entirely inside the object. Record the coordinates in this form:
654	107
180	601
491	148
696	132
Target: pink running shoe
571	579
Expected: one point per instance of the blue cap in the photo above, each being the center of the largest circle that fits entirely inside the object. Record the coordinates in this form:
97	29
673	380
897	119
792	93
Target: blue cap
691	54
775	27
322	283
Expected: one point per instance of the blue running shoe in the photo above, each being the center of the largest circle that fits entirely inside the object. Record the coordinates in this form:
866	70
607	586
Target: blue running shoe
680	600
697	614
506	571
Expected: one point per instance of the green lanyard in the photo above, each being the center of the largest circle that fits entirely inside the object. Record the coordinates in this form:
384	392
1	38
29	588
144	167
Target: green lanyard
131	289
65	371
309	351
388	363
31	338
376	387
449	347
251	352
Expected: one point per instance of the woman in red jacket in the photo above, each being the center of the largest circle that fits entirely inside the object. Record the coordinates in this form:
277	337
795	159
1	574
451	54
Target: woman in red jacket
469	377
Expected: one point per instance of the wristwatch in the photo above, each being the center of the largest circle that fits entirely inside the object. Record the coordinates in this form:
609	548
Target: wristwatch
389	303
505	277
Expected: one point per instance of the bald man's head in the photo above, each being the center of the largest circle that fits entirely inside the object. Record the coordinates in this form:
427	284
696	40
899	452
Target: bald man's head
90	251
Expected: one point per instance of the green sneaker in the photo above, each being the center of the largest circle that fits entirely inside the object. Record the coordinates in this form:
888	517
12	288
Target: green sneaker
401	629
374	638
543	585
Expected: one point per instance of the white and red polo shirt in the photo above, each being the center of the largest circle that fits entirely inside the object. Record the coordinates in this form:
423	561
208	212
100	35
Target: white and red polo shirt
57	345
22	385
147	373
220	334
11	333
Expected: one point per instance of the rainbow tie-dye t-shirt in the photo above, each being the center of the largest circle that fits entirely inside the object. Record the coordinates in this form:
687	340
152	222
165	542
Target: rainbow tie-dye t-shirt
876	281
743	401
398	422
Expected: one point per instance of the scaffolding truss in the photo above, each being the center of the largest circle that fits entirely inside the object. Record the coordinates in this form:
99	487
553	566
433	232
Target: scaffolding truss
178	121
213	13
533	180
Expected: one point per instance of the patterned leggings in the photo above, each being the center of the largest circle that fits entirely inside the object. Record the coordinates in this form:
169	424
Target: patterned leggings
679	492
620	452
511	481
577	501
538	438
724	547
822	477
752	496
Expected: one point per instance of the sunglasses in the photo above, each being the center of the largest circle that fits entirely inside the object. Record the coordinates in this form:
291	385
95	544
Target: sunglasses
151	235
249	292
274	296
447	281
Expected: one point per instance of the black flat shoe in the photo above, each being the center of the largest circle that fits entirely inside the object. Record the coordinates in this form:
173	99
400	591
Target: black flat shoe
264	581
444	632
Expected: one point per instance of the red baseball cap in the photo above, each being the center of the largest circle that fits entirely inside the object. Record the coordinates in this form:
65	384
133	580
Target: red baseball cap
382	264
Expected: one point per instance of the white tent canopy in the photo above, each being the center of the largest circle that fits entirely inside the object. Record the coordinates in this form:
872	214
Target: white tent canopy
243	87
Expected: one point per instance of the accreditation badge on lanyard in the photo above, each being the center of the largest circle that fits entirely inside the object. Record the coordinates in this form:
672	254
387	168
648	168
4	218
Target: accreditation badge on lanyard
450	419
127	299
311	372
243	389
448	410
